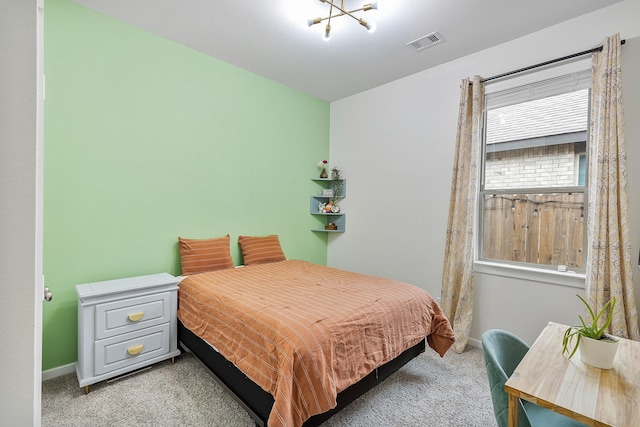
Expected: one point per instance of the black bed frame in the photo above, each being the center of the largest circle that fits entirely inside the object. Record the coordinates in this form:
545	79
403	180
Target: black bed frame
257	402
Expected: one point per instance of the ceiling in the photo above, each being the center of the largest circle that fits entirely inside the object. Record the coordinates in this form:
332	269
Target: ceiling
272	38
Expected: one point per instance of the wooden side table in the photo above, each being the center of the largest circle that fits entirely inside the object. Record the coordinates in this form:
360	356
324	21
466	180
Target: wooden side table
596	397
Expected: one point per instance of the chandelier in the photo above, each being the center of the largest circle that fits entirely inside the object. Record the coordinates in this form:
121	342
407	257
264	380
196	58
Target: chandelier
336	10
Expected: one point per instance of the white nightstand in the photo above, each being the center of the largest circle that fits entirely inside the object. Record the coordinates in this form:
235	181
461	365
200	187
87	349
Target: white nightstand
124	325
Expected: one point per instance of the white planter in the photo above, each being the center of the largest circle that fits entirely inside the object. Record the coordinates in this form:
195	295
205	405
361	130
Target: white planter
599	353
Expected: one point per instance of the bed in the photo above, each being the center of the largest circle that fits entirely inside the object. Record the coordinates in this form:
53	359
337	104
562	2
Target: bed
294	342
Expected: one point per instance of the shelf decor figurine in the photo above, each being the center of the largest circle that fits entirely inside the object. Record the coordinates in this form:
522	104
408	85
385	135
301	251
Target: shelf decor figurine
323	164
328	208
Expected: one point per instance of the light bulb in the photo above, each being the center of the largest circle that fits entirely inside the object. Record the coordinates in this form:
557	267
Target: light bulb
370	26
370	6
327	33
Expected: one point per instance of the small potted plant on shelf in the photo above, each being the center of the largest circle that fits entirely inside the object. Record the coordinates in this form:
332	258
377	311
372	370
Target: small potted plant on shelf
597	348
337	186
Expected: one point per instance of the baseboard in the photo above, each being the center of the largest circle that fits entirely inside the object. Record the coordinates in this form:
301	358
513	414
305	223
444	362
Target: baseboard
474	343
59	371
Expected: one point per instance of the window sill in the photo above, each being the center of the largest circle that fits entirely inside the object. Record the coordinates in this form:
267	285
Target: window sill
568	278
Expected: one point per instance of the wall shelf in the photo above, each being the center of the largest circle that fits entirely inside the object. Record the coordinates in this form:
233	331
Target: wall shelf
324	218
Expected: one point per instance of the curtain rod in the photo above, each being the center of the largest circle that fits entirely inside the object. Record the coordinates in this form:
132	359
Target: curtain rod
542	64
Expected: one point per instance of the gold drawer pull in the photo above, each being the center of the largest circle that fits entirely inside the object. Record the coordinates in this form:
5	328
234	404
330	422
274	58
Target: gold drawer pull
134	317
135	350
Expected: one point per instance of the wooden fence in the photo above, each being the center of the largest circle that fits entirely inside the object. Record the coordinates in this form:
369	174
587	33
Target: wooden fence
545	229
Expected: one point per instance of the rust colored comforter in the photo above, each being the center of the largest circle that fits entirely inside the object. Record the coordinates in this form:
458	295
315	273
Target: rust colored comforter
304	332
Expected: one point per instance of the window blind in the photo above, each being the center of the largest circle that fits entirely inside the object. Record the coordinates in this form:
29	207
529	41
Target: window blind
538	85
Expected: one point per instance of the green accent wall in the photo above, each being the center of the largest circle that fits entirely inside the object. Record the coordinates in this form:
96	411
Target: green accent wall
147	140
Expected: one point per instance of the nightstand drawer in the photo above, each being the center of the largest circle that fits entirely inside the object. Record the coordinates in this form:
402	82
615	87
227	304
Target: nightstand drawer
132	314
128	349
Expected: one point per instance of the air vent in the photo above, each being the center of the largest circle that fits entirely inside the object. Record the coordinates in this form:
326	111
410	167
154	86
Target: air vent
427	41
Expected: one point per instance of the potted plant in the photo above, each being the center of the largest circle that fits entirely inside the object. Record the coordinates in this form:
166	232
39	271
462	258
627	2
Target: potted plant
597	348
337	185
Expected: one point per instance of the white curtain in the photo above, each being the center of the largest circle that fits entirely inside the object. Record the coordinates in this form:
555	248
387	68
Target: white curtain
609	263
457	275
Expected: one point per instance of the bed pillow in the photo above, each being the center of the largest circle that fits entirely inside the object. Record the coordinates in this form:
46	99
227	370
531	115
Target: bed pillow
259	250
200	255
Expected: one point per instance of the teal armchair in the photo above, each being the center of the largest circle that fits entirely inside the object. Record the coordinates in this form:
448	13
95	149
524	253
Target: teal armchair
503	352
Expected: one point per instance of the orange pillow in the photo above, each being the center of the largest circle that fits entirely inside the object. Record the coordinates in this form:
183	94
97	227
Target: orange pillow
200	255
258	250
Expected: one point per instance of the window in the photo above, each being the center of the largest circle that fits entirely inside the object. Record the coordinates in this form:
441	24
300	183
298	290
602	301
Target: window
532	205
582	169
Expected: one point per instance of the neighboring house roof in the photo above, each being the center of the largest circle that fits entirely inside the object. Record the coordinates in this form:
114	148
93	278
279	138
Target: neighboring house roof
560	114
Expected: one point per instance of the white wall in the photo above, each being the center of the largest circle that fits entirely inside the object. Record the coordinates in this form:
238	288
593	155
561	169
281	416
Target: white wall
395	145
20	367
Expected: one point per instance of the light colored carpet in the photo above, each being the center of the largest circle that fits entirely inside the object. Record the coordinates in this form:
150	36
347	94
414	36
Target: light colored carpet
428	391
